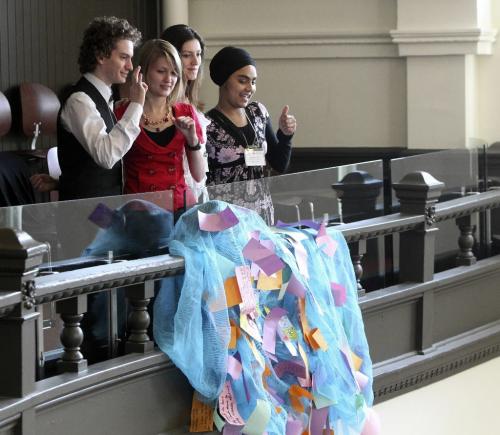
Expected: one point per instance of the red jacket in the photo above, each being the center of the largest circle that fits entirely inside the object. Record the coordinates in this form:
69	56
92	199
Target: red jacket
149	167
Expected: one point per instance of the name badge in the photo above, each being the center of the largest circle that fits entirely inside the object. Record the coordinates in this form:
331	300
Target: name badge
255	157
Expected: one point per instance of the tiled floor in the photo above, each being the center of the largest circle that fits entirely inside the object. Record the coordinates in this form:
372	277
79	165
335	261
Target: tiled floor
463	404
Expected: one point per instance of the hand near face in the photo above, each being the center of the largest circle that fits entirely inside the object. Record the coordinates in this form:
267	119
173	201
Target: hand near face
287	123
186	126
138	88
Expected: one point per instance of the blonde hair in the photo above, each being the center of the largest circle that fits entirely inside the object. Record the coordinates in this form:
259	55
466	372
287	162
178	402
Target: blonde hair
155	49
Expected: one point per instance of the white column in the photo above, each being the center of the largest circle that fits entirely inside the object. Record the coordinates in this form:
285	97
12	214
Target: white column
174	12
441	39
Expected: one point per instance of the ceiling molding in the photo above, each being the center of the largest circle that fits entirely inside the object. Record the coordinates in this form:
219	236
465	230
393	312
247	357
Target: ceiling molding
439	42
311	45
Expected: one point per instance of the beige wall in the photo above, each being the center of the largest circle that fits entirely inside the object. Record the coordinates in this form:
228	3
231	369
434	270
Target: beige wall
283	16
332	61
370	73
488	84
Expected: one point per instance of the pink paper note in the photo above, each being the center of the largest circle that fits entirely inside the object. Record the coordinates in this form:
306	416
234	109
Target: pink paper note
289	366
255	270
234	367
217	221
288	334
325	242
293	427
230	429
271	356
304	382
227	406
247	292
295	287
361	379
269	245
318	420
339	294
250	327
270	328
265	258
254	250
255	234
271	264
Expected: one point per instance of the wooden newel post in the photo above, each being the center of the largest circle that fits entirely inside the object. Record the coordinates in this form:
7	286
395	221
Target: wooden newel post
417	193
20	257
358	192
138	320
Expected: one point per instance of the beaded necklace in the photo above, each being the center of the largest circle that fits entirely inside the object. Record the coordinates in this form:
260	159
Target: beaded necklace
150	123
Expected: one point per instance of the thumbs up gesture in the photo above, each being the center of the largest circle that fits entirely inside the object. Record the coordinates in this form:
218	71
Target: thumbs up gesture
287	123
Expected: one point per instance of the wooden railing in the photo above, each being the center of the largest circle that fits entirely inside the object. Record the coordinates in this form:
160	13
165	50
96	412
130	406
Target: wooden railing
426	340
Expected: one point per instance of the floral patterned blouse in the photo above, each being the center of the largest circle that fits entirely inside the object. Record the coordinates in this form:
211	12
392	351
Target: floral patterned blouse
232	180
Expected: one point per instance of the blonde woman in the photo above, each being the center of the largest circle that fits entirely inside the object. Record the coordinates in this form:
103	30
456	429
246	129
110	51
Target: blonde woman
170	130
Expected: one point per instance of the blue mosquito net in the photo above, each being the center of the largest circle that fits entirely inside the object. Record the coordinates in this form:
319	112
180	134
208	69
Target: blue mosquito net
315	366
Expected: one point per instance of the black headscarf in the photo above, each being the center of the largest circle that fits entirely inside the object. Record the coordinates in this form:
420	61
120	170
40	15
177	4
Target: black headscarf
228	60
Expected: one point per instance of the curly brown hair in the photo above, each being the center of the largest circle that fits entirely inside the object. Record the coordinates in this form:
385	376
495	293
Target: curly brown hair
100	37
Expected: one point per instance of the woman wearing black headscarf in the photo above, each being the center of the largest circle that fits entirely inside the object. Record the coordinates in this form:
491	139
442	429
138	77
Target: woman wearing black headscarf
240	138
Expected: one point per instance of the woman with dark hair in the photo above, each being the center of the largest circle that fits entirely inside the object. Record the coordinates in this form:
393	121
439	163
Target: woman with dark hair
169	130
240	137
191	48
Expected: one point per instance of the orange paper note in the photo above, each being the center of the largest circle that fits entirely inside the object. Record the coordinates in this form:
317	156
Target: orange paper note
356	361
235	334
296	392
233	296
317	340
201	416
306	329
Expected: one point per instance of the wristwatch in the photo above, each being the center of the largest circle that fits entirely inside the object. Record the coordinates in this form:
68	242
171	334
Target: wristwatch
193	148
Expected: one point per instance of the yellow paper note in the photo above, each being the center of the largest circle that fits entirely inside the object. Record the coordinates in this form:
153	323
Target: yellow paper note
272	282
250	327
306	363
258	356
356	361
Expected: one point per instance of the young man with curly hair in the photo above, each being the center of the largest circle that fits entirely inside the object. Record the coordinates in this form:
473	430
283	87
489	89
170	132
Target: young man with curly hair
91	143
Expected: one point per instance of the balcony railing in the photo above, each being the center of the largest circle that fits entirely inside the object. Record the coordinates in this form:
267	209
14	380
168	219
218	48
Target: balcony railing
415	284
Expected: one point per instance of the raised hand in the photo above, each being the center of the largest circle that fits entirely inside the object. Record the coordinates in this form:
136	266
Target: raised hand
138	88
287	123
187	127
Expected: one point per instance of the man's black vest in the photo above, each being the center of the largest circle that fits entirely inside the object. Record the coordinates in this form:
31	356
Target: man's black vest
81	177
